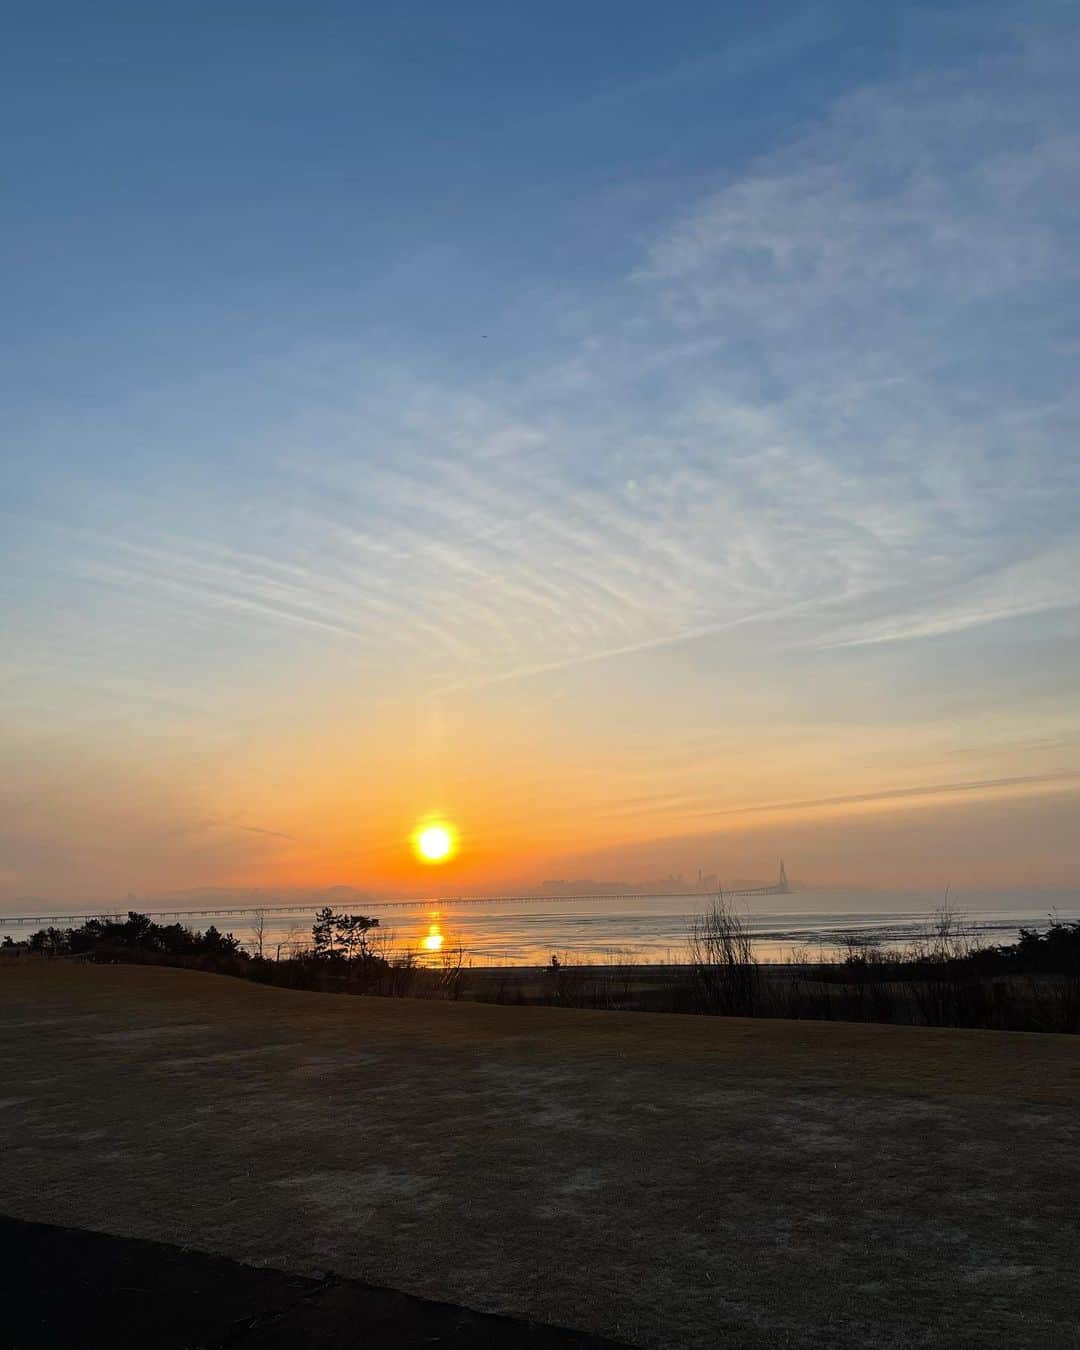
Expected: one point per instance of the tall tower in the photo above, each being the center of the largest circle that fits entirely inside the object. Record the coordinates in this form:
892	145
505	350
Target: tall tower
783	886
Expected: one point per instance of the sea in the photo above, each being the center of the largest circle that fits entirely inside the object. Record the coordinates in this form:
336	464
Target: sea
804	924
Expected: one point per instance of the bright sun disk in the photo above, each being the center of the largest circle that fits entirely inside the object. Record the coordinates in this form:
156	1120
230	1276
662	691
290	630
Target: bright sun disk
434	843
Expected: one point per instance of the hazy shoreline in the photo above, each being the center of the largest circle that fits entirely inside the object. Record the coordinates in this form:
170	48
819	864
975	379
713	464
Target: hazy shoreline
645	931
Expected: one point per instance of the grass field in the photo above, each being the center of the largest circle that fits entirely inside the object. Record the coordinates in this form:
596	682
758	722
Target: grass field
665	1180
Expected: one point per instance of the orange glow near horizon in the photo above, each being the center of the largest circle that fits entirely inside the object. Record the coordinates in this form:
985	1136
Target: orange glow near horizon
586	806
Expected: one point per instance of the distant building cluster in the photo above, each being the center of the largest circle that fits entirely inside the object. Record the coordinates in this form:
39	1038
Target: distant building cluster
706	883
674	884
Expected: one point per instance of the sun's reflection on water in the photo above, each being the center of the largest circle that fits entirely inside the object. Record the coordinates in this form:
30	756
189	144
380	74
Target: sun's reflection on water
433	942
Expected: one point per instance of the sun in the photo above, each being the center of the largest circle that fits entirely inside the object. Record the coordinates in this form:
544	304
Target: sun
434	843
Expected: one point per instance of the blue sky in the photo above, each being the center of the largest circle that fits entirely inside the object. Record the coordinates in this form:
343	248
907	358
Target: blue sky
387	392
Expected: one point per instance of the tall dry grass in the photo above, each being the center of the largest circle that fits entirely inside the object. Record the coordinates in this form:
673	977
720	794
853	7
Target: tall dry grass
726	973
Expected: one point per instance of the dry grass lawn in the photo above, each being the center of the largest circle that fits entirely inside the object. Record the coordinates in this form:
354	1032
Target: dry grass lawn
669	1181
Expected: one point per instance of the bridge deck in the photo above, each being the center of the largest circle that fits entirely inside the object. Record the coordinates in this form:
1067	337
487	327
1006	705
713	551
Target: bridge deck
423	902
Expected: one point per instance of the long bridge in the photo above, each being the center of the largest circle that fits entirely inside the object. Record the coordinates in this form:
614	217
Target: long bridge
779	887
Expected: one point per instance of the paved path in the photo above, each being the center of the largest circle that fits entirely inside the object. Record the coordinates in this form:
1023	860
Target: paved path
662	1180
67	1289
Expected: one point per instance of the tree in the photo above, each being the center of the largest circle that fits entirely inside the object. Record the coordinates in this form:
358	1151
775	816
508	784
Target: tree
352	931
51	941
322	932
258	932
342	935
215	943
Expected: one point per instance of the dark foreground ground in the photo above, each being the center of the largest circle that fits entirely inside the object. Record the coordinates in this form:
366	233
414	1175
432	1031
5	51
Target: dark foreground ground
666	1181
63	1288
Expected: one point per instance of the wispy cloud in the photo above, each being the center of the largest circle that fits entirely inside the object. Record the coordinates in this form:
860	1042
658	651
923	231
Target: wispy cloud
830	388
882	270
258	829
216	827
797	410
1065	776
1034	586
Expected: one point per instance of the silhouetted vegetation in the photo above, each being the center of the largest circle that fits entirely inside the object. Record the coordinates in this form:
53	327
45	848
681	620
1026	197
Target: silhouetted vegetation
942	978
341	936
340	958
945	977
130	938
948	978
728	979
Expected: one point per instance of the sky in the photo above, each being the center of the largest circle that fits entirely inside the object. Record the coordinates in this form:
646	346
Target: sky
644	436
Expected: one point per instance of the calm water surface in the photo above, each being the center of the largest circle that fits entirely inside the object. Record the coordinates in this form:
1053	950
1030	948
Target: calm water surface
655	929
